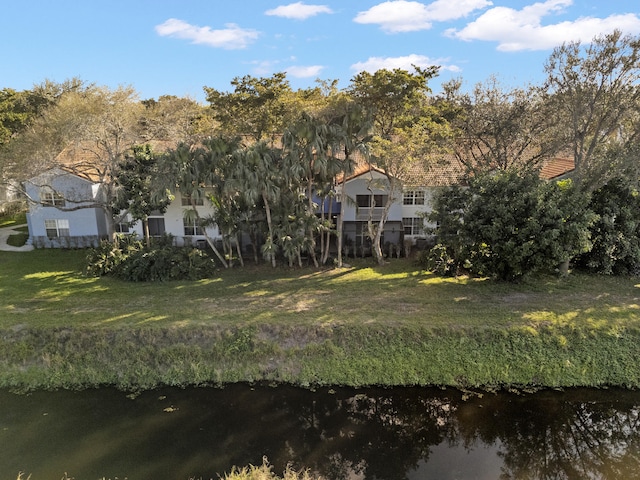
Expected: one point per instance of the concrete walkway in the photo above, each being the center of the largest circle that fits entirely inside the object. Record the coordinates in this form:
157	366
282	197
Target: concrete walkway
5	233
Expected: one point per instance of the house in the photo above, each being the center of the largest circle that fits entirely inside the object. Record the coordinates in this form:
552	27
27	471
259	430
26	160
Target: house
64	211
367	191
65	208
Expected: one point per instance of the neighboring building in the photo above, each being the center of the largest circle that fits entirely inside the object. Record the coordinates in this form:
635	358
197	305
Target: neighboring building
172	222
65	209
366	194
66	213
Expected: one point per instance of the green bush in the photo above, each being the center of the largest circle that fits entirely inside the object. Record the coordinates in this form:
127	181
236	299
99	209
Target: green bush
510	224
616	232
130	259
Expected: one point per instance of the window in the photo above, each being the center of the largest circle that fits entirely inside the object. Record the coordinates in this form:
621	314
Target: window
52	199
122	227
412	225
57	228
414	197
367	201
156	227
188	200
192	228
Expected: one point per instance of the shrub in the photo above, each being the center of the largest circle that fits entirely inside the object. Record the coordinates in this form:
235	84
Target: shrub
129	259
615	234
510	224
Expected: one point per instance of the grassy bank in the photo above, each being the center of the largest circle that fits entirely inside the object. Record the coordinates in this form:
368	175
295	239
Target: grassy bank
361	325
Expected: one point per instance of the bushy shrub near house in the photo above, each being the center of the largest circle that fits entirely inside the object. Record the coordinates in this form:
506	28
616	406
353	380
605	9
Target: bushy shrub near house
616	233
130	259
509	224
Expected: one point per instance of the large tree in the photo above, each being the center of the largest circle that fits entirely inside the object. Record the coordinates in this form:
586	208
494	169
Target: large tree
180	119
595	92
511	223
497	128
24	138
405	126
137	194
308	143
259	108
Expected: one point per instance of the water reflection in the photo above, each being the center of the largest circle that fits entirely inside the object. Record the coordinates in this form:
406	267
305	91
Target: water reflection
343	434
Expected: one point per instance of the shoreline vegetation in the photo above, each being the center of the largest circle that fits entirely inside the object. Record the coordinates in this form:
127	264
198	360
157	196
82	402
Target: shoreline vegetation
361	325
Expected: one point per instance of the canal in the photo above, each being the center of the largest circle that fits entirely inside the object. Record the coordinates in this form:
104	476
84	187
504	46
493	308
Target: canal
407	433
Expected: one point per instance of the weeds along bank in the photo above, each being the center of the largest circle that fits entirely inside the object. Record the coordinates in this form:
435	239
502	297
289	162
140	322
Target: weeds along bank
491	358
356	326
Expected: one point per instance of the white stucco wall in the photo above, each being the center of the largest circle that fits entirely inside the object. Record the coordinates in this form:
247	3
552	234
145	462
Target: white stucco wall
366	184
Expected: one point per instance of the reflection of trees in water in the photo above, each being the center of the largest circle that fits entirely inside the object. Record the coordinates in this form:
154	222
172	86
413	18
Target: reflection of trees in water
347	434
385	433
372	435
559	436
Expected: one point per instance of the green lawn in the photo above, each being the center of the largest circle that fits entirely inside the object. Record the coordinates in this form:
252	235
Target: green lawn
360	325
12	220
47	288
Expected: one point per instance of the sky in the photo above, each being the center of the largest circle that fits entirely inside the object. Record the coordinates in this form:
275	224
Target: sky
177	47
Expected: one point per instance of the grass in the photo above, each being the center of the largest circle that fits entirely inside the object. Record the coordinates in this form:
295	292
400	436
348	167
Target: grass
12	220
47	288
21	238
358	325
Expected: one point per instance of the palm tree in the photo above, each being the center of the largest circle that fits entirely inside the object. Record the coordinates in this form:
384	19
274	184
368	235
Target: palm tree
351	134
256	176
188	168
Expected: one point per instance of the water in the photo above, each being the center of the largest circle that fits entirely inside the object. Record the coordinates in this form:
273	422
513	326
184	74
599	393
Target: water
341	434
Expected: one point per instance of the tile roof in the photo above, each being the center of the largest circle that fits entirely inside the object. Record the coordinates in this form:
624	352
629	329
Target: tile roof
557	167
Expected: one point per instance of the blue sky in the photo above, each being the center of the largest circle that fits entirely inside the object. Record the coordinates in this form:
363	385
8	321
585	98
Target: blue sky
176	47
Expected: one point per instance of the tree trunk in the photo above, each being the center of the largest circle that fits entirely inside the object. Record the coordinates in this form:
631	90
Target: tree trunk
270	227
377	235
145	228
239	250
339	226
312	239
327	245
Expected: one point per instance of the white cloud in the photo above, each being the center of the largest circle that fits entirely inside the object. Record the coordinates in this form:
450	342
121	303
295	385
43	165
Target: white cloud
516	30
304	72
298	11
374	64
408	16
231	37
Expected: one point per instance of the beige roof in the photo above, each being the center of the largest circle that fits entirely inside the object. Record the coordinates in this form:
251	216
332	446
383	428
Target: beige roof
438	171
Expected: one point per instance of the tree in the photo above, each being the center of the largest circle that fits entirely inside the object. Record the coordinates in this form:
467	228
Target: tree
308	142
595	94
405	127
259	177
191	169
496	129
22	135
258	107
352	134
136	193
177	118
87	132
